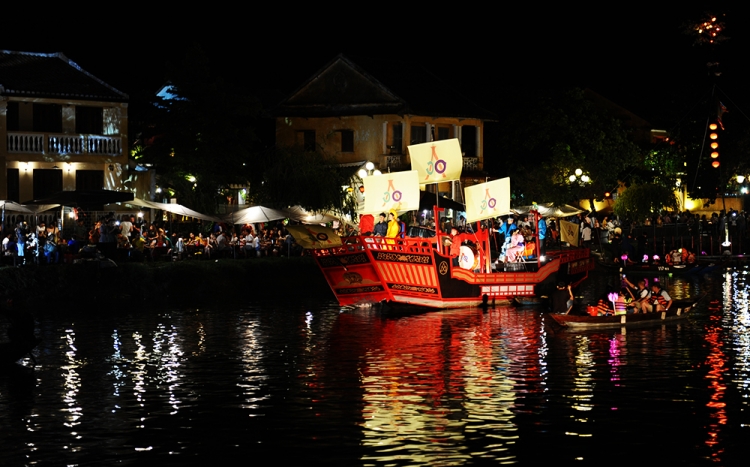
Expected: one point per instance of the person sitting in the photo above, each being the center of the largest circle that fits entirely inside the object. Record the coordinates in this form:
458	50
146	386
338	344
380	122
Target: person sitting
517	245
659	301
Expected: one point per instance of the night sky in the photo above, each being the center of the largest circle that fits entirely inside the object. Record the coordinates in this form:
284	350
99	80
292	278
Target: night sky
637	57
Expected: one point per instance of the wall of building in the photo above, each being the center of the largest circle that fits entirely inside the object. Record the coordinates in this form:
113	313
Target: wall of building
373	135
114	167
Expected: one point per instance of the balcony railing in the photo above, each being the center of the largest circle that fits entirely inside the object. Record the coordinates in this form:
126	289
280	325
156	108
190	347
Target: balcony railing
41	143
471	163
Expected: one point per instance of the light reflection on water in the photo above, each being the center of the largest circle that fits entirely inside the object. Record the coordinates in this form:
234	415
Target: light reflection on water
315	384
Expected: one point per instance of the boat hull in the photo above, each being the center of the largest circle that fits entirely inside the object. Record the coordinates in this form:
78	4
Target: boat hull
678	311
413	272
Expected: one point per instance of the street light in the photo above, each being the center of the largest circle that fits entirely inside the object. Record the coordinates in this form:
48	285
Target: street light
579	177
368	170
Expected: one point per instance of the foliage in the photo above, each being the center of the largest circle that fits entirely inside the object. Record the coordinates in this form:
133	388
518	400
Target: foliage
293	176
557	133
641	201
200	140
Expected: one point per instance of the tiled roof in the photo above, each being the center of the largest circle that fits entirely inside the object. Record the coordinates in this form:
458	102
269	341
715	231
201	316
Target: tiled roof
376	86
28	74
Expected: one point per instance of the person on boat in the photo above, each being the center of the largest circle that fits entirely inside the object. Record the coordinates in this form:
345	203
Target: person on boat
623	301
659	301
506	228
642	294
454	242
393	227
562	299
517	245
541	232
381	228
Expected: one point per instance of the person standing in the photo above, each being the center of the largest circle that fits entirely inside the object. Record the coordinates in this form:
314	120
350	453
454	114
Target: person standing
562	299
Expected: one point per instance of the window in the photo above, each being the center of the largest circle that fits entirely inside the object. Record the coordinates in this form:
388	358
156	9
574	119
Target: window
347	141
418	134
89	179
13	121
47	118
309	140
89	120
469	141
14	185
47	182
397	139
443	133
111	121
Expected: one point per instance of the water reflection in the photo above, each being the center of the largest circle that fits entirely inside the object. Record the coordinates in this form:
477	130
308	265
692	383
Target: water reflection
369	386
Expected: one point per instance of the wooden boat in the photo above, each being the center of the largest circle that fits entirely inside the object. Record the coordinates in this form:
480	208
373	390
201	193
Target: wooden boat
420	270
680	309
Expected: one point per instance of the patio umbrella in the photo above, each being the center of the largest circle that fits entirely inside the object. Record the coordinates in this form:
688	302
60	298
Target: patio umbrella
549	210
255	215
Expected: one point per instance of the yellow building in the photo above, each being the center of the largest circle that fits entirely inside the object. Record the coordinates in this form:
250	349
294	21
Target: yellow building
62	128
370	111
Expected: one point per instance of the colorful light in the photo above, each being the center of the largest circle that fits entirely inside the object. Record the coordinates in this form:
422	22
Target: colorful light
715	164
713	126
714	155
713	136
714	145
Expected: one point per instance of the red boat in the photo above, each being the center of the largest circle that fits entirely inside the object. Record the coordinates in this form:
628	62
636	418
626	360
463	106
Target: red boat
365	270
420	271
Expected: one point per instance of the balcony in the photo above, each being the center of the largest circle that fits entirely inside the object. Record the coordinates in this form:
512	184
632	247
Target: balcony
63	144
471	163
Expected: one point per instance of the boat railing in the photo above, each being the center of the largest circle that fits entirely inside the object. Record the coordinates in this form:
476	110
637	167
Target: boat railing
353	244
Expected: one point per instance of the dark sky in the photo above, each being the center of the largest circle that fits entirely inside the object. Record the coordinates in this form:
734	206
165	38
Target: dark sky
638	58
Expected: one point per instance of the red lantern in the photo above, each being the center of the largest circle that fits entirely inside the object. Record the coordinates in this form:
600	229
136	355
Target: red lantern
715	164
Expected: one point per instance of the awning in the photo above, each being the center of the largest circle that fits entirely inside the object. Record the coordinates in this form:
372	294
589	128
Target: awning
173	208
549	210
254	215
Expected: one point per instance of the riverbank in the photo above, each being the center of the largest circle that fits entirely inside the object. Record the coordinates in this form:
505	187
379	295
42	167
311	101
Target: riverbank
180	284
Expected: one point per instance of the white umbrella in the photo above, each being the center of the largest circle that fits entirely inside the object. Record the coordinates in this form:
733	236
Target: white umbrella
13	206
173	208
254	215
550	210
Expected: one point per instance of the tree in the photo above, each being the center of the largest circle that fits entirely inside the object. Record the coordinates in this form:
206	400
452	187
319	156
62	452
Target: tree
202	139
641	201
293	176
557	133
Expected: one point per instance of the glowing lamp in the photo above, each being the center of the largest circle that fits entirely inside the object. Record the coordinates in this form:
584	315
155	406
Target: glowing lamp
579	172
585	178
713	126
377	172
572	178
645	258
624	257
715	164
713	136
740	178
607	194
369	166
361	188
656	257
714	154
362	173
714	145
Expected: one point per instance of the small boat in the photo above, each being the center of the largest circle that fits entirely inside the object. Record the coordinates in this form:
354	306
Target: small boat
530	301
13	351
680	309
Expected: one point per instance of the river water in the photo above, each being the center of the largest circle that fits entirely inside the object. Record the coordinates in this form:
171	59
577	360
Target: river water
303	382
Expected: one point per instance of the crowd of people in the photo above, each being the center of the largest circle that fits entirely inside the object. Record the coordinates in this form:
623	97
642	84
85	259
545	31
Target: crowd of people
131	239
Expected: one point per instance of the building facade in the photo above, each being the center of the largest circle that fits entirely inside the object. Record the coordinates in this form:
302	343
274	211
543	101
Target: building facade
62	128
370	111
